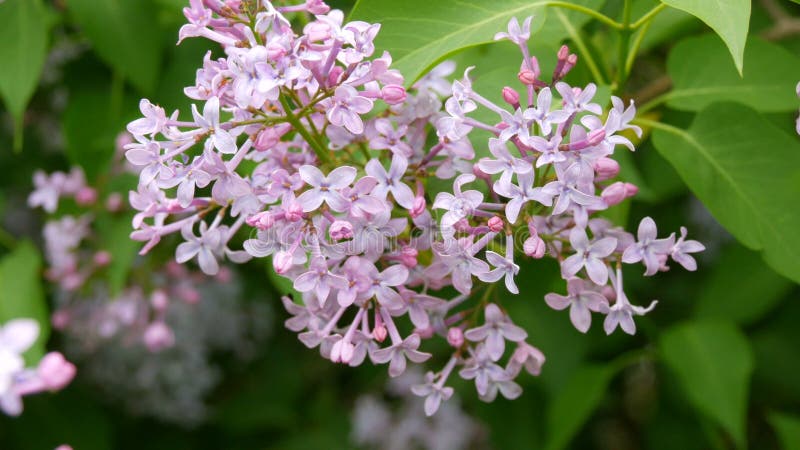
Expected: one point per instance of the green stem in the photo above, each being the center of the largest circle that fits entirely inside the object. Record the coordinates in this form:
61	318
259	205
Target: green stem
637	42
624	46
320	151
582	48
648	16
589	12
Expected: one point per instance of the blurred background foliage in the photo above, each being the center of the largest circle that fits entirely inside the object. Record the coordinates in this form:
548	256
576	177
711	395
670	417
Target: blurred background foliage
716	366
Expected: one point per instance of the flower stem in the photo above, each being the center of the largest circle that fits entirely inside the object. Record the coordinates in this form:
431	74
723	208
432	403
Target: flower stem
624	47
319	150
589	12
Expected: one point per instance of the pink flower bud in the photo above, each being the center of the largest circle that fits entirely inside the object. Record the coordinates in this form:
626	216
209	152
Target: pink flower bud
495	224
334	75
114	202
511	96
462	225
563	53
317	31
85	196
102	258
418	207
455	337
605	169
596	136
379	333
425	333
609	293
615	193
72	281
189	295
63	447
158	336
393	94
534	247
342	351
341	229
60	319
408	256
55	371
317	7
263	220
527	77
282	262
266	139
159	300
294	213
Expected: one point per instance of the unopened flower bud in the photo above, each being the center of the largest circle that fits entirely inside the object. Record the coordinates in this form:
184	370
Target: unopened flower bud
262	220
495	224
615	193
408	256
342	351
60	319
114	202
102	258
511	96
462	225
55	371
379	333
334	75
294	213
596	136
267	138
455	337
282	262
425	333
563	53
605	169
158	336
159	300
317	7
534	247
393	94
418	207
526	77
340	229
86	196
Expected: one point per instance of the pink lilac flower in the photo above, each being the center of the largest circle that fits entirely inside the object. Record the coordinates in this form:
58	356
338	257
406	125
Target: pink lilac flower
581	303
494	332
649	248
589	255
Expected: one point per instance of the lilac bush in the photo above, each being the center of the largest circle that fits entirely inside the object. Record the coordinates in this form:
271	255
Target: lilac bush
310	151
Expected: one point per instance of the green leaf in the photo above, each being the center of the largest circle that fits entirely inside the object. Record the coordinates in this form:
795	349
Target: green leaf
702	73
22	296
554	31
730	19
125	35
575	402
421	33
114	235
91	147
740	288
23	48
713	362
788	429
747	173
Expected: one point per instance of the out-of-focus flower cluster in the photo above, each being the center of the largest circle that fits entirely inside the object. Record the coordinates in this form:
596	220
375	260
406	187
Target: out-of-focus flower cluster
53	372
148	342
310	142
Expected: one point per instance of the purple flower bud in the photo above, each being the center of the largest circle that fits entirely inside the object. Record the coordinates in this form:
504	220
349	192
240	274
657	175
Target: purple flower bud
617	192
341	229
563	53
455	337
333	76
379	333
55	371
282	262
114	202
294	212
511	96
102	258
408	256
86	196
596	136
534	247
263	220
418	207
393	94
158	336
605	169
317	7
495	224
270	136
159	300
527	77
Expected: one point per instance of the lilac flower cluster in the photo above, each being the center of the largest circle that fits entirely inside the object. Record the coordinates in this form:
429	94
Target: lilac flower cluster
314	144
53	372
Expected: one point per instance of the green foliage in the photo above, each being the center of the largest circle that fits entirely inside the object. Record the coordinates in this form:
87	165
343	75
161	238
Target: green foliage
788	430
747	173
729	18
124	34
21	293
421	33
575	402
23	38
114	233
713	362
702	73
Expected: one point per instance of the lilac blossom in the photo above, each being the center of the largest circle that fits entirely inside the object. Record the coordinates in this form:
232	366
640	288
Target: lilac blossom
494	332
649	248
581	303
589	255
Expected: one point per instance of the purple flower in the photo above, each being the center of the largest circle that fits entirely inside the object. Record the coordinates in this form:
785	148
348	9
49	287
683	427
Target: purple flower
549	150
682	248
577	100
384	282
220	139
542	114
527	356
391	181
396	355
319	280
153	121
622	312
325	189
458	205
390	139
588	255
521	194
434	392
568	193
495	330
344	109
204	247
453	126
649	249
483	370
505	163
460	263
16	337
516	34
504	267
580	301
